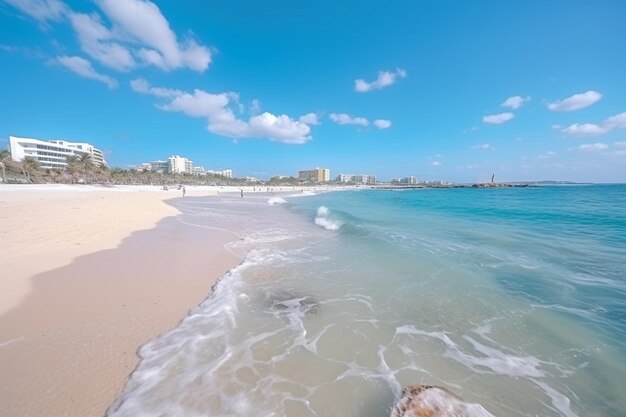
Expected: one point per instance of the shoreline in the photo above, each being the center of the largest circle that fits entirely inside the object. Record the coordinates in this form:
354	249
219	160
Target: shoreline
69	344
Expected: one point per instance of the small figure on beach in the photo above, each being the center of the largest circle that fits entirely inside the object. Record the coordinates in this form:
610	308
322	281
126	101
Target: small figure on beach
184	191
242	193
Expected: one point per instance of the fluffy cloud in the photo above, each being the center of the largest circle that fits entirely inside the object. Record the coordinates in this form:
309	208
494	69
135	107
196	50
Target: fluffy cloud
83	68
382	123
575	102
41	10
221	120
385	79
592	147
584	129
345	119
138	33
310	119
616	122
496	119
621	145
436	164
591	129
515	102
97	42
143	22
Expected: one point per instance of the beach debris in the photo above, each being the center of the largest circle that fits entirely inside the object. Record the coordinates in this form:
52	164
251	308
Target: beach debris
433	401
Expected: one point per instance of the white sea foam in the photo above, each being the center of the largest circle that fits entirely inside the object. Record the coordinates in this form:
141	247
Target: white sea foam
491	359
303	194
276	200
322	219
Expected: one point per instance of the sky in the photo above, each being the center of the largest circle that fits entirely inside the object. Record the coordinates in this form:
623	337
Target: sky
438	89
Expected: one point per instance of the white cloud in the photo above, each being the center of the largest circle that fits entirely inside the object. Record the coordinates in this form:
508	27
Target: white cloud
584	129
385	79
616	122
482	146
515	102
41	10
221	119
142	86
621	145
83	68
142	22
591	129
576	102
382	123
496	119
592	147
310	119
345	119
97	42
436	163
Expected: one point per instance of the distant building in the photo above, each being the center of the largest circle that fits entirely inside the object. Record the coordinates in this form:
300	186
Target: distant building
199	171
179	165
159	166
146	166
227	173
356	179
405	180
315	175
53	153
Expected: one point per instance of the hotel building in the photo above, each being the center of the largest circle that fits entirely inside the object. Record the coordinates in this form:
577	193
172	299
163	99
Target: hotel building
180	164
315	175
358	179
53	153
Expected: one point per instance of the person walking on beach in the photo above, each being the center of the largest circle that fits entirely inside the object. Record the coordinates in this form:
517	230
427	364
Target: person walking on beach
184	191
242	193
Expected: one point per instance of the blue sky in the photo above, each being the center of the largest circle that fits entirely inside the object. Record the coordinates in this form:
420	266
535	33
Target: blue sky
444	89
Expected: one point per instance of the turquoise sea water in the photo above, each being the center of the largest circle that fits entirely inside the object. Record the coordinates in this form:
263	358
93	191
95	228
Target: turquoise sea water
515	299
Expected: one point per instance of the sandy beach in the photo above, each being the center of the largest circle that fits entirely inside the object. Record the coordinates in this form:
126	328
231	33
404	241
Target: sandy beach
89	275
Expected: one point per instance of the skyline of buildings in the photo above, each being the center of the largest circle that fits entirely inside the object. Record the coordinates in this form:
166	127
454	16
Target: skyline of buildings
52	154
177	164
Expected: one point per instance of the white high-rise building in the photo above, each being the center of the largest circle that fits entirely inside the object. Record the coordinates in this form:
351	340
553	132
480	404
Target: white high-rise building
179	164
53	153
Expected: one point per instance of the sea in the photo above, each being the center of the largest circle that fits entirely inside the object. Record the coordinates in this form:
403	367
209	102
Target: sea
512	298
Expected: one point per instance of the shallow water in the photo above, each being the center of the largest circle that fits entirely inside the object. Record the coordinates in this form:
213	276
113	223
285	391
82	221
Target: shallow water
512	298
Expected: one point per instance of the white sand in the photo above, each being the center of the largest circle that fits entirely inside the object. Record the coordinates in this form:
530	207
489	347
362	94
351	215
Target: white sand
72	312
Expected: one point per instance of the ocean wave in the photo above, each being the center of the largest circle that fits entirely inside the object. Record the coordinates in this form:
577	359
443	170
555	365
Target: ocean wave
276	200
303	194
324	221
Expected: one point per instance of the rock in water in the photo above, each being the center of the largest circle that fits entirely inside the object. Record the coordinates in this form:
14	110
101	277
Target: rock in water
433	401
